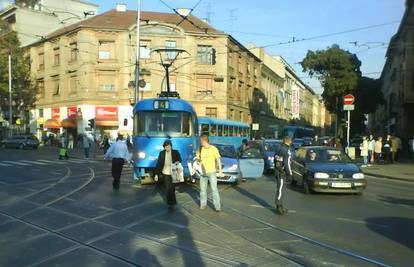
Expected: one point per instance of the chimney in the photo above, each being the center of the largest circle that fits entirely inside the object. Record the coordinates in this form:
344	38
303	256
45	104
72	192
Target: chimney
120	7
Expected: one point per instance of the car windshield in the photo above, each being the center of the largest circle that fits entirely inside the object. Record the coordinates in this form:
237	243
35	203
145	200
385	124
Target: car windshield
327	156
165	124
226	151
271	146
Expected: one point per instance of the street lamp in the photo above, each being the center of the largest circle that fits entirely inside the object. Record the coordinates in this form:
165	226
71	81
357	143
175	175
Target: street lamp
167	57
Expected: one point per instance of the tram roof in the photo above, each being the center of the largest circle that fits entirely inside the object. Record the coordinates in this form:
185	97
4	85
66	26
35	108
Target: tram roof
222	122
175	104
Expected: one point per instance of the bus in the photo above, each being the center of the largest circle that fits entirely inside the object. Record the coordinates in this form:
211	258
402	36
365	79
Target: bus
224	131
296	131
159	119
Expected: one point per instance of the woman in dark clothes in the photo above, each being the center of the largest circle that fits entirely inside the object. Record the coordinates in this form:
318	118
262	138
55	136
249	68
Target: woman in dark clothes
163	170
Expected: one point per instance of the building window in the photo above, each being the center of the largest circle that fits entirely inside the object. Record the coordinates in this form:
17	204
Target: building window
241	116
41	61
144	50
231	114
106	50
73	83
239	63
73	51
40	112
56	56
211	112
205	54
171	44
41	87
56	87
204	84
106	81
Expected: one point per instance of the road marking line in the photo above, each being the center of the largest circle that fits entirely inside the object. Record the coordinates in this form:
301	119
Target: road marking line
168	238
361	222
33	162
5	165
256	206
16	162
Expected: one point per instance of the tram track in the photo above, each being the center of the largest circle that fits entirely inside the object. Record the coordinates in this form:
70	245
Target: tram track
299	236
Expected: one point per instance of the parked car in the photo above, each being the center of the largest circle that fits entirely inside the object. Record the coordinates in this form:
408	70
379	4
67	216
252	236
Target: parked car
326	169
21	142
230	164
269	148
307	141
298	142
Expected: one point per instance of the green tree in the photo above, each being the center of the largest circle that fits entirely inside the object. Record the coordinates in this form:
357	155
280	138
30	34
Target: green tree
24	90
26	3
337	70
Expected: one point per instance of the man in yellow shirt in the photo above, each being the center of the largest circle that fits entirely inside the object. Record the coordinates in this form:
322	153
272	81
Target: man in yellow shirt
209	157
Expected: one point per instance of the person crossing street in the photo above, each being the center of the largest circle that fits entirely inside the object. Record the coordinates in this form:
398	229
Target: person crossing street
118	151
283	172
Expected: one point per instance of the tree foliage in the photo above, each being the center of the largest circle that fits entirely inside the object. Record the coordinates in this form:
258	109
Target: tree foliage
26	3
336	69
23	88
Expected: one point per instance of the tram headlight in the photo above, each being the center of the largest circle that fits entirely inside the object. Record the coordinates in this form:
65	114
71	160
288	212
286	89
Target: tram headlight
141	155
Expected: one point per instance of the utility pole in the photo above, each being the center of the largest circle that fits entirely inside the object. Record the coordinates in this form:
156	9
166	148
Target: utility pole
10	96
136	91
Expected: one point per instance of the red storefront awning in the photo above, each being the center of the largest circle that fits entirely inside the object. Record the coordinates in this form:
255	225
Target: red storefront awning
51	124
68	123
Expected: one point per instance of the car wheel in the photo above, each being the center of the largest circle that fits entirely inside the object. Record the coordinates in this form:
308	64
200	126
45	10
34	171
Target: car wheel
21	146
306	188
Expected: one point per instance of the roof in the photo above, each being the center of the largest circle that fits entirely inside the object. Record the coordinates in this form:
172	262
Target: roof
117	20
175	104
220	121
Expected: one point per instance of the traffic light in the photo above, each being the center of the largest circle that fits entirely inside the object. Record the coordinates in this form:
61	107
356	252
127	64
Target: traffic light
91	123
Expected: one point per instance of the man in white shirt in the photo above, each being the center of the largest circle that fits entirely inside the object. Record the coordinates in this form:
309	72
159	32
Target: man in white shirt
118	151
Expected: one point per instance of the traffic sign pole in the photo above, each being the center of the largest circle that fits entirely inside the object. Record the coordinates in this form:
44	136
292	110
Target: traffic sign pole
348	106
348	128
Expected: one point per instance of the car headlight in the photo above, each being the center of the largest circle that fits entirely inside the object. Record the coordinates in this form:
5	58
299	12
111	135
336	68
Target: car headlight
270	158
233	168
141	155
321	175
358	175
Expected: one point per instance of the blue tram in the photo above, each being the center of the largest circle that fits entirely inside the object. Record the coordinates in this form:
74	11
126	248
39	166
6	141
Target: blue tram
224	131
156	120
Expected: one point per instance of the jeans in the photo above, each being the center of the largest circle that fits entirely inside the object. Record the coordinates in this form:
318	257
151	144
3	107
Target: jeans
365	160
87	152
204	179
370	156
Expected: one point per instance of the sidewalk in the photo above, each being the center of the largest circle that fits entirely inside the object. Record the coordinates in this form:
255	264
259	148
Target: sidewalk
397	171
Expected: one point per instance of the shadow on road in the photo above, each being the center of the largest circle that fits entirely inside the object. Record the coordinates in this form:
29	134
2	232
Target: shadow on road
397	200
400	230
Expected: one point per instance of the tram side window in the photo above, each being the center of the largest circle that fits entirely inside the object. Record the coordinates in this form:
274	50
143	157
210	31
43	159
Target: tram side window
213	130
225	130
220	130
231	132
205	129
243	132
237	131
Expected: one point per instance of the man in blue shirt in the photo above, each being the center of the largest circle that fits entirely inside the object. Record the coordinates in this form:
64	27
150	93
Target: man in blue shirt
119	153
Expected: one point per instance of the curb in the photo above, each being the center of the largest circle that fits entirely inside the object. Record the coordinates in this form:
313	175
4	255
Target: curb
389	177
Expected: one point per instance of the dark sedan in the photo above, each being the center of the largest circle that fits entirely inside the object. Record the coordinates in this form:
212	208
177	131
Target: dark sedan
325	169
20	141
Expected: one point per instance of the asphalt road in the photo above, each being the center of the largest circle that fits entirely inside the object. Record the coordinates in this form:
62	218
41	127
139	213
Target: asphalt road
64	213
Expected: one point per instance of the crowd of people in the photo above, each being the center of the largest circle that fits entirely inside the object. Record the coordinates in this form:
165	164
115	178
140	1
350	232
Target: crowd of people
381	150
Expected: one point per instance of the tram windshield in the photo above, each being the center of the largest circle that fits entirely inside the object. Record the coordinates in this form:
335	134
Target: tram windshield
165	124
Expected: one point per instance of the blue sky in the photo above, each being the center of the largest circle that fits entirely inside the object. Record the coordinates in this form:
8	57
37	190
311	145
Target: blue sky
265	22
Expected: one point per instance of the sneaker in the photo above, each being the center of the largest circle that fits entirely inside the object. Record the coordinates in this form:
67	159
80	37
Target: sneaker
280	210
203	207
217	210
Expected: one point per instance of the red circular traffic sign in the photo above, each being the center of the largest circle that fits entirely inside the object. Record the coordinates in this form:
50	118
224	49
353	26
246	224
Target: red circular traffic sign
349	99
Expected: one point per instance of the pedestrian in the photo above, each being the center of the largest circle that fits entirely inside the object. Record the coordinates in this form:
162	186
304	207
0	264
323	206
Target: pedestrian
70	141
364	150
118	152
283	171
378	150
244	146
163	171
86	143
62	140
396	146
63	152
338	143
387	149
209	157
371	146
105	144
411	147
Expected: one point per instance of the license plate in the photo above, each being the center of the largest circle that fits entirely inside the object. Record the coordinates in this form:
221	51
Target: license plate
341	185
